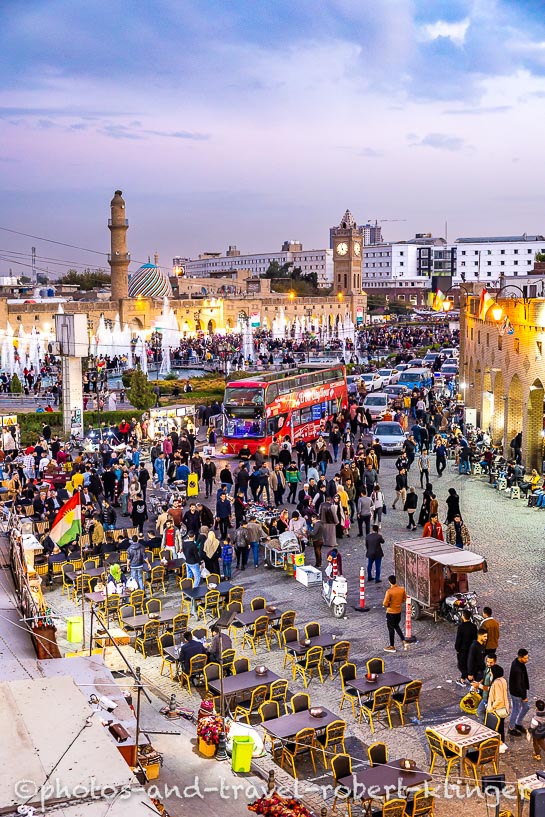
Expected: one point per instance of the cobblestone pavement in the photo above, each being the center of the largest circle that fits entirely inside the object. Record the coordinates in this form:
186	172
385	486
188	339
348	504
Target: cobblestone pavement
506	532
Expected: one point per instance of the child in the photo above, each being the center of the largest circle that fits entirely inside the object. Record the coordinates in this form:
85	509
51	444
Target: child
227	558
537	729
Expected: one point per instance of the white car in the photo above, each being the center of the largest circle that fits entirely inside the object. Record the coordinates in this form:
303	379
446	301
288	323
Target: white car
372	380
376	404
391	436
389	376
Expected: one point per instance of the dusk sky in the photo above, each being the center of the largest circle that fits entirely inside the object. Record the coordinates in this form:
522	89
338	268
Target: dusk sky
249	122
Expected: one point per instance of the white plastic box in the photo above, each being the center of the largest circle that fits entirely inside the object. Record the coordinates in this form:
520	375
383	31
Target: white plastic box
308	575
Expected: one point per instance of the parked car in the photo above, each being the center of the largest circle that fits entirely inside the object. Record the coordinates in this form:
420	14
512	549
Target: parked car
416	363
416	378
430	358
389	376
391	436
372	380
449	370
376	403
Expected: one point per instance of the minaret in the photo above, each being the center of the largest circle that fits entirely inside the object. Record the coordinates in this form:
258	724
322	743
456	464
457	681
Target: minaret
119	258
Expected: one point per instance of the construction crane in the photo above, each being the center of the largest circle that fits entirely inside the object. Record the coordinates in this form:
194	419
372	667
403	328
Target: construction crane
381	220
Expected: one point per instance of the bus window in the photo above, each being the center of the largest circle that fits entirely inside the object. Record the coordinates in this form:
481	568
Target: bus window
272	393
306	415
238	427
276	424
296	418
244	396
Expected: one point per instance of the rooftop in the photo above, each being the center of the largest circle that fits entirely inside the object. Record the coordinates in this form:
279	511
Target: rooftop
491	239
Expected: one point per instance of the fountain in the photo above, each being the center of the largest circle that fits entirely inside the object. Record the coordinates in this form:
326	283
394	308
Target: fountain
247	343
167	325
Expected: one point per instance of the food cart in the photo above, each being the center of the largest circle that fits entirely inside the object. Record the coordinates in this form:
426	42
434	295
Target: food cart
170	418
434	575
279	549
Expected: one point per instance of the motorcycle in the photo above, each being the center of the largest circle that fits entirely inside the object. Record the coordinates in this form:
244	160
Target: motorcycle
334	593
453	607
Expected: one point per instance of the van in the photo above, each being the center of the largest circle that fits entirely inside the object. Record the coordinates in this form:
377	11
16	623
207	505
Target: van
416	379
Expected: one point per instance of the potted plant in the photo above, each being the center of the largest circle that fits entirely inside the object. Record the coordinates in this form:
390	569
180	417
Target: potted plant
274	805
208	732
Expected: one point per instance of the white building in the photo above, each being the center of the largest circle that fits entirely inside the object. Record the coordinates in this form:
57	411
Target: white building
487	259
318	261
406	264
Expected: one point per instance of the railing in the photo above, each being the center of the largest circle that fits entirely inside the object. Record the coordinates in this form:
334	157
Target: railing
124	222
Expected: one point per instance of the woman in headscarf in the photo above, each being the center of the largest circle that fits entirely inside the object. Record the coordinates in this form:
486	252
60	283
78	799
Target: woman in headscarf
116	579
211	552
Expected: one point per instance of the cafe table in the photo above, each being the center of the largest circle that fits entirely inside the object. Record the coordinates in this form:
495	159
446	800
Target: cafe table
137	622
525	787
462	744
288	725
197	593
235	685
324	640
92	572
383	782
384	679
251	616
98	597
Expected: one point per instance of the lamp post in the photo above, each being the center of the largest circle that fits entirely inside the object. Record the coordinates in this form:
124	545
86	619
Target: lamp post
497	311
447	305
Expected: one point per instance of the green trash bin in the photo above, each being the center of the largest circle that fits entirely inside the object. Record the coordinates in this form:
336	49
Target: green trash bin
243	746
74	634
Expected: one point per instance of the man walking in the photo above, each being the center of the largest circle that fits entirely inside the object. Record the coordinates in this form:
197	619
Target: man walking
493	630
465	636
375	554
476	657
401	488
393	602
440	458
518	689
136	559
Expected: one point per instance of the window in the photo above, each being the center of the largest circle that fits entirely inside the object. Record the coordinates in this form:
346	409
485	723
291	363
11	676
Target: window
479	336
471	333
463	252
401	263
489	252
475	263
528	251
401	253
539	345
476	252
516	344
463	263
488	339
489	273
529	263
515	263
516	252
502	252
489	263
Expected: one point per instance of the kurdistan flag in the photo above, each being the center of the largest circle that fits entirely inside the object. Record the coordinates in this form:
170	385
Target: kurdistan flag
67	524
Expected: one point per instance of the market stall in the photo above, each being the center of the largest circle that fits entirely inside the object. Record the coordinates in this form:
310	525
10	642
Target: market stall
171	418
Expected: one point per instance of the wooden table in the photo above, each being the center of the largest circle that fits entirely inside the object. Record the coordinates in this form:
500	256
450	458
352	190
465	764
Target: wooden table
384	781
243	682
385	679
525	786
324	640
100	598
137	622
197	593
288	725
92	572
462	744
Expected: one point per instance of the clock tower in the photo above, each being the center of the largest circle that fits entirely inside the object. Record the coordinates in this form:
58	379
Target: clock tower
347	253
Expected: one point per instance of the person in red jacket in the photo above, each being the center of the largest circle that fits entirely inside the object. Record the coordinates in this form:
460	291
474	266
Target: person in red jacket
124	428
434	528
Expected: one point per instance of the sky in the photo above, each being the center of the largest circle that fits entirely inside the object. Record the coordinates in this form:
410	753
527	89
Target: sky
250	122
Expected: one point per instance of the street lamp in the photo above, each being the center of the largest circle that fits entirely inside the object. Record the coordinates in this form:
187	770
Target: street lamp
447	305
497	311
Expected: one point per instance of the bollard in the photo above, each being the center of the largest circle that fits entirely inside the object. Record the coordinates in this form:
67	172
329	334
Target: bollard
362	608
409	638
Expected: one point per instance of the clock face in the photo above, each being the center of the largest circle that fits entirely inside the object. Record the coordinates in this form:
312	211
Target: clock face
342	248
357	248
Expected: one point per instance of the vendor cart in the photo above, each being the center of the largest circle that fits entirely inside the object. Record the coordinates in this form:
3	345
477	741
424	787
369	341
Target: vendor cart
434	575
278	549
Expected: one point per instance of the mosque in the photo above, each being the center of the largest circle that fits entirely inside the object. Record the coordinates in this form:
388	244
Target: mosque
200	304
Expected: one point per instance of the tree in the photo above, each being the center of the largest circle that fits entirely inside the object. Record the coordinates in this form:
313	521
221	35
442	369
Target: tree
140	393
86	280
16	386
398	308
540	257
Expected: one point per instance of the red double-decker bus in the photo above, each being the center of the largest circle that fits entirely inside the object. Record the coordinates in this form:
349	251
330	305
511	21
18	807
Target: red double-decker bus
294	404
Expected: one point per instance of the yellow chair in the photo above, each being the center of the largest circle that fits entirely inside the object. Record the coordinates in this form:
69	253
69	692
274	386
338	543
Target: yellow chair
348	674
67	584
439	750
300	702
375	665
289	636
411	695
157	579
331	739
377	754
422	804
312	664
278	692
110	606
236	627
210	604
137	601
82	584
339	655
341	766
269	711
259	630
303	744
312	629
394	808
185	584
248	708
241	665
180	623
236	593
228	657
153	606
212	672
258	603
196	667
287	620
90	564
149	636
487	753
213	578
379	701
125	611
164	641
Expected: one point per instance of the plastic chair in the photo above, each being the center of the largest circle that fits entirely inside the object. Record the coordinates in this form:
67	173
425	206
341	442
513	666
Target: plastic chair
331	739
312	664
411	695
380	701
439	750
303	744
348	673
